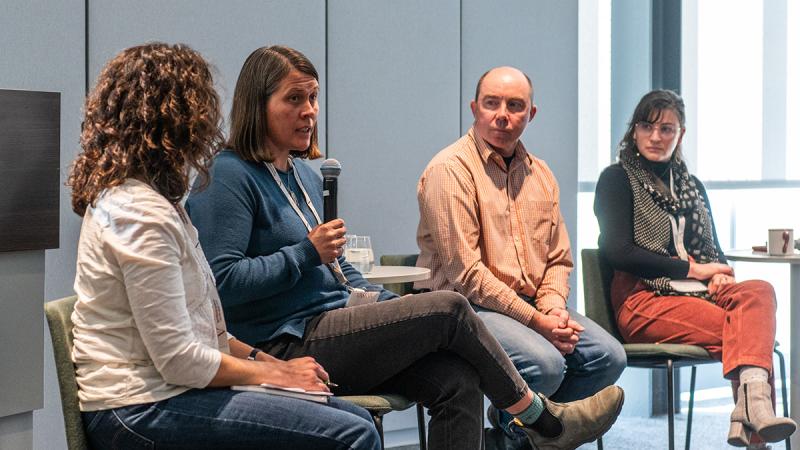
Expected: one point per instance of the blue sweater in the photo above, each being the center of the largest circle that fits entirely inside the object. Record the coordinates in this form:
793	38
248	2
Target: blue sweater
268	273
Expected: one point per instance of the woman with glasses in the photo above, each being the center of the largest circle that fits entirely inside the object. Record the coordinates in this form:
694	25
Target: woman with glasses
152	355
672	283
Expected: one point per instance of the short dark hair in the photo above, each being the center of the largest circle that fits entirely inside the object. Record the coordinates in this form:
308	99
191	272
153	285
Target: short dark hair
480	82
153	114
259	78
649	109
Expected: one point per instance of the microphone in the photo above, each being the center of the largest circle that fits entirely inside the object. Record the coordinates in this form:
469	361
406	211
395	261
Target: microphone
330	169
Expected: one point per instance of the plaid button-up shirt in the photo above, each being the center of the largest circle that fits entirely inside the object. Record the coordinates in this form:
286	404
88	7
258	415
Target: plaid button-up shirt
493	233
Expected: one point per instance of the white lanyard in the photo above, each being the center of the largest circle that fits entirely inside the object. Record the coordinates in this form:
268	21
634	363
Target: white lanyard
679	227
289	197
334	266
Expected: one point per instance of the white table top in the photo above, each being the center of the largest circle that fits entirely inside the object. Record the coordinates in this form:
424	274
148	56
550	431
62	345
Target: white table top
751	256
396	274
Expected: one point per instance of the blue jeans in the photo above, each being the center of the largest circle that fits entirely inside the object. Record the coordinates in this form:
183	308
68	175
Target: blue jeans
222	418
597	362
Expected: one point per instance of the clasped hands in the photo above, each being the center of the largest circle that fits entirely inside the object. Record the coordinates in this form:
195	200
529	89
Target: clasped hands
559	328
717	274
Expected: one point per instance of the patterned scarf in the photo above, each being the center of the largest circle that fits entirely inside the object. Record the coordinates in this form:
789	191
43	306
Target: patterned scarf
652	209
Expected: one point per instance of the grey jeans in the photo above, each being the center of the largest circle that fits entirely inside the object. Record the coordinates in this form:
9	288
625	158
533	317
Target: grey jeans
431	348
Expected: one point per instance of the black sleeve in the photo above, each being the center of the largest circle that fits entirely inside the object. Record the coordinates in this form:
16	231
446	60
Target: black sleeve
613	206
702	190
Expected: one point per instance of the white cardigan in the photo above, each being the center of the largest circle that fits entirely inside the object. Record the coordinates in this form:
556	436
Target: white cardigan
148	323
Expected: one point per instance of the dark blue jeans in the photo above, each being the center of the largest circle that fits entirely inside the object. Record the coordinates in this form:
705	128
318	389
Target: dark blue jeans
431	348
226	419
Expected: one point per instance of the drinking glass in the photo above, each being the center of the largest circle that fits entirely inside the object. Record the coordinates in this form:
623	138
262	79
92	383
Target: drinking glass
358	252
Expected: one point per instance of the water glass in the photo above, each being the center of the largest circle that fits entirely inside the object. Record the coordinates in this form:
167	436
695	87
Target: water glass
358	252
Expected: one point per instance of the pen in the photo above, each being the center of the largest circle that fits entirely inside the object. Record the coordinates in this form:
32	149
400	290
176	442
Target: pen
329	384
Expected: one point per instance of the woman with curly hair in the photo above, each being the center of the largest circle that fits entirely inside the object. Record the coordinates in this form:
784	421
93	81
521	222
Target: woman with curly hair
672	283
153	357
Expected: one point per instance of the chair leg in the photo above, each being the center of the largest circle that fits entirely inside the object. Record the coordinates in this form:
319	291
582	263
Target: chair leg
378	419
423	442
670	404
784	394
691	408
483	430
600	443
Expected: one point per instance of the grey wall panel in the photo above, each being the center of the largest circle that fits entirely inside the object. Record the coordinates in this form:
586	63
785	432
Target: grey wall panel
225	33
43	50
22	279
393	102
540	38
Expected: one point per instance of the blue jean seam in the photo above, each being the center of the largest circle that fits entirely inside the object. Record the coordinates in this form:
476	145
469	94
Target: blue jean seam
130	430
248	422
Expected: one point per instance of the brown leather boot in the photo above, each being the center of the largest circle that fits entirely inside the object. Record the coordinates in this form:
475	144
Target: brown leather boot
754	411
582	421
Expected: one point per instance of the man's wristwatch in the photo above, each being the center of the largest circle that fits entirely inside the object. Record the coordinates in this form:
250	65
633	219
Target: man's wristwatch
253	353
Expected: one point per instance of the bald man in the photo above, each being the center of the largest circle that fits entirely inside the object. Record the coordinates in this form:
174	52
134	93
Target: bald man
491	228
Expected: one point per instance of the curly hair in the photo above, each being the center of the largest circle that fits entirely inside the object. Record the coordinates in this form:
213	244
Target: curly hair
153	115
259	78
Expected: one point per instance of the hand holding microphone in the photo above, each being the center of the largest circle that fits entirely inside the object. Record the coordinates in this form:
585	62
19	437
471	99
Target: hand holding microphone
328	238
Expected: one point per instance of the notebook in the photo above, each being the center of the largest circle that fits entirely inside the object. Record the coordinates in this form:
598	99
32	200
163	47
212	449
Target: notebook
293	392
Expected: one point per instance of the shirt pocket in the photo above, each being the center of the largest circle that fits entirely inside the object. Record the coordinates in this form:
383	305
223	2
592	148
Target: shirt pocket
538	219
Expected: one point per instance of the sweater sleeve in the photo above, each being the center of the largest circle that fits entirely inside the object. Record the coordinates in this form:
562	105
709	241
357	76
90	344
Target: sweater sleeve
224	214
613	206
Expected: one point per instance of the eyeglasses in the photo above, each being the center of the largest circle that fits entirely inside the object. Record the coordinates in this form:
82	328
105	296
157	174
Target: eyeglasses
665	130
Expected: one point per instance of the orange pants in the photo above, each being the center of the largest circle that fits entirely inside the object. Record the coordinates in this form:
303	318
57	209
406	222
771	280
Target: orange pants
737	327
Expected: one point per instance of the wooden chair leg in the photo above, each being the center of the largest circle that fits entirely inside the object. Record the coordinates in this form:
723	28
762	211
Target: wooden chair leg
691	407
423	442
670	404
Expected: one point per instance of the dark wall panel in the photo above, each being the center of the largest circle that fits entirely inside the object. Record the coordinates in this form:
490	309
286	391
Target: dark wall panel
29	170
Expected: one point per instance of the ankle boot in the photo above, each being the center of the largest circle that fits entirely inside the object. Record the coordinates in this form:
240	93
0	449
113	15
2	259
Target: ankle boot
738	436
754	410
582	421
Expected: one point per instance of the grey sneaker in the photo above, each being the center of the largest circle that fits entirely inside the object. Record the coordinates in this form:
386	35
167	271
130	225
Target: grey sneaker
582	421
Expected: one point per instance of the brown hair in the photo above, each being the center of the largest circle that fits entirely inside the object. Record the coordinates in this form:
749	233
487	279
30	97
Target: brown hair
649	109
259	78
153	114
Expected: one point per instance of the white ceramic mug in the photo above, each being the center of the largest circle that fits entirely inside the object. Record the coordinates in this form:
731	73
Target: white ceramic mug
780	241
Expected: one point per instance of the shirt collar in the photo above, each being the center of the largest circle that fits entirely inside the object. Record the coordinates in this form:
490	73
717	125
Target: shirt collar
487	153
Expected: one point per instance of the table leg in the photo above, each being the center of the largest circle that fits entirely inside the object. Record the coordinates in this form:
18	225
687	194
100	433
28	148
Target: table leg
794	358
